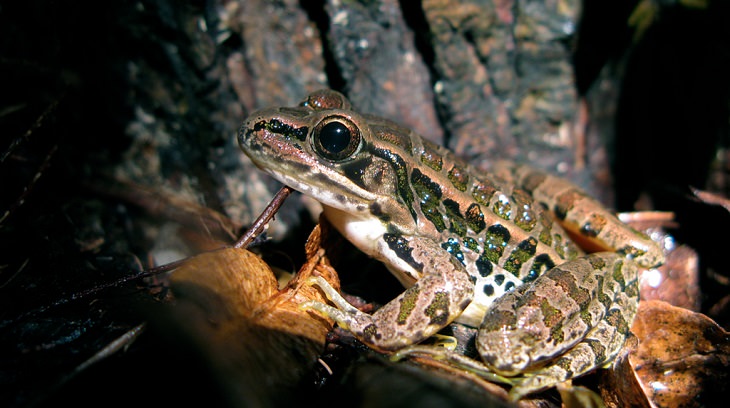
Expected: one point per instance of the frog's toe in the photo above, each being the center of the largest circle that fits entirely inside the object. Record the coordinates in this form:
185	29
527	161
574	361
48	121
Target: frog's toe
531	384
444	341
452	359
311	305
434	352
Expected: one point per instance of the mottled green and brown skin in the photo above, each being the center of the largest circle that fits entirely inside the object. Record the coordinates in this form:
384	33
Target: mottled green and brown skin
484	250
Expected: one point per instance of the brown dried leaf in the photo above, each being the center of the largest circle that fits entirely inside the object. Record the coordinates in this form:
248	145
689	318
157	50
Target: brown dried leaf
619	386
252	332
683	357
676	282
234	285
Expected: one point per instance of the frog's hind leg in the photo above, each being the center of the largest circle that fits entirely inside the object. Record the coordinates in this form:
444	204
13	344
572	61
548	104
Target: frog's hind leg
572	319
599	348
602	343
590	223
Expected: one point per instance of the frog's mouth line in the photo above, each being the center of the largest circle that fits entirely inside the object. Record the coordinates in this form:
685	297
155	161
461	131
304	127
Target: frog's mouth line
319	186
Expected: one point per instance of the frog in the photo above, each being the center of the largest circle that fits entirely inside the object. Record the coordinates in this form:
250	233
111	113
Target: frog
497	251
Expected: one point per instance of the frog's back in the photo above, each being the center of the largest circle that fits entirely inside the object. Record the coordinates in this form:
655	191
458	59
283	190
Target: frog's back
498	232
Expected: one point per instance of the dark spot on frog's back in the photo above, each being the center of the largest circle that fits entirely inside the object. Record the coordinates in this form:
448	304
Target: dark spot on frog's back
475	218
542	263
483	192
499	279
524	251
459	178
429	193
456	219
426	188
533	181
452	246
498	235
565	203
484	266
593	226
431	158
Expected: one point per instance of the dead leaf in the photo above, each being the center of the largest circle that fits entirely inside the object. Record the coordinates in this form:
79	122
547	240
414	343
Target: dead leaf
676	282
253	333
683	357
619	386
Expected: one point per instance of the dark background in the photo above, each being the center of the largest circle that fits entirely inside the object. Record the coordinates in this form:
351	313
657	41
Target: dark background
90	91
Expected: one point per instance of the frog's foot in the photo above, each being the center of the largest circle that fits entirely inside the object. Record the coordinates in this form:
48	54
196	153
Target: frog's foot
453	359
343	314
540	380
521	386
443	341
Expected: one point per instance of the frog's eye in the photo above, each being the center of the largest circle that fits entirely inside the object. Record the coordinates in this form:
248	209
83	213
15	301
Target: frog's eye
336	138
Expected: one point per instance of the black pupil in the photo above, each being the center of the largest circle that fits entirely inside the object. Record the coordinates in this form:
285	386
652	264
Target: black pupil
334	137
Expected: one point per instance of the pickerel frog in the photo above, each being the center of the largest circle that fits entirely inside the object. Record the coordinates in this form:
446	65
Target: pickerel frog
490	251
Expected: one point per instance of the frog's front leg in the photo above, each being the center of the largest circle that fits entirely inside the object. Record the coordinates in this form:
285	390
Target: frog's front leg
441	294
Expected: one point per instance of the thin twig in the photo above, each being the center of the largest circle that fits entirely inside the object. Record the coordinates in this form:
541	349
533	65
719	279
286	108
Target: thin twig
123	341
20	139
244	241
95	289
20	269
23	195
264	218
